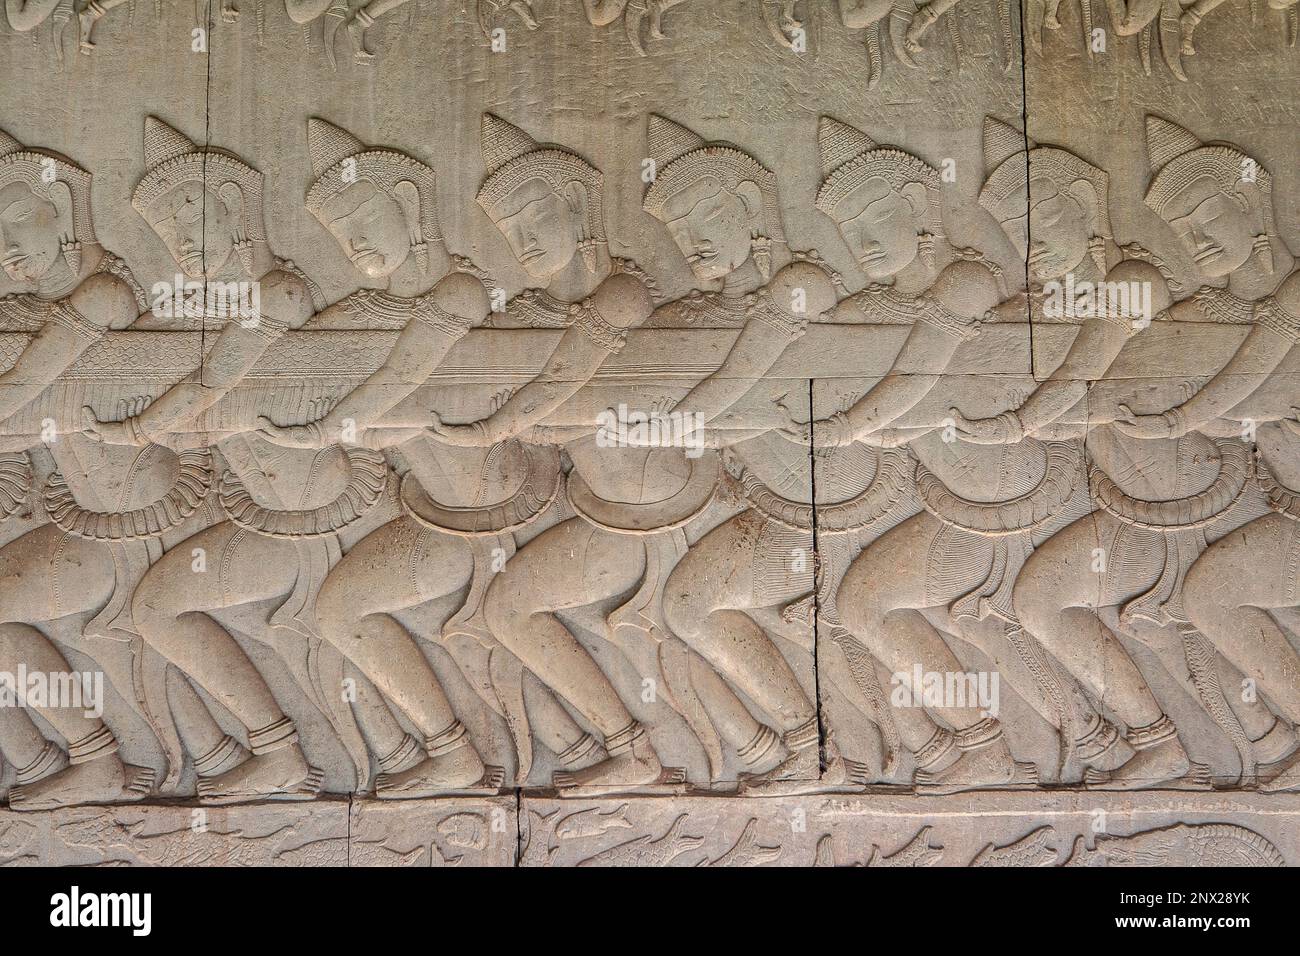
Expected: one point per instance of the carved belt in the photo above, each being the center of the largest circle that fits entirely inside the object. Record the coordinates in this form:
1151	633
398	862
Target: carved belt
1280	498
191	487
1180	524
369	473
540	487
1189	512
15	482
634	518
1018	514
861	511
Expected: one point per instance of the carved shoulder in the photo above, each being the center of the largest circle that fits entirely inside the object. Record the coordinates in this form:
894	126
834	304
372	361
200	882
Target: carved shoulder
285	298
623	301
1287	296
105	301
1136	271
803	282
461	295
966	288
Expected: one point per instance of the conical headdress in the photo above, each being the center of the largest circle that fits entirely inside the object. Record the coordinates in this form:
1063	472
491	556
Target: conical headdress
1010	158
849	158
1179	158
173	159
682	158
19	164
512	158
339	159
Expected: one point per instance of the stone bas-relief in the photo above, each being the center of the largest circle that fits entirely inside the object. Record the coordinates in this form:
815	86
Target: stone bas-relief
672	496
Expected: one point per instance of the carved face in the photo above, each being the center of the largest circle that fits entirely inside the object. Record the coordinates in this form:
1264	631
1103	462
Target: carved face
880	226
29	233
370	226
713	225
1217	229
542	225
197	227
1059	229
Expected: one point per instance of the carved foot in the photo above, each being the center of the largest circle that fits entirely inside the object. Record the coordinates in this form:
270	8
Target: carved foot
1282	776
1163	764
282	774
917	27
357	36
629	765
1187	26
85	24
803	764
524	10
1103	748
764	754
457	771
985	764
103	780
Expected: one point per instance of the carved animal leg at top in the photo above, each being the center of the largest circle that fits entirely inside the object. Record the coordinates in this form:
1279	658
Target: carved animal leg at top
88	16
1131	17
1191	18
362	20
924	18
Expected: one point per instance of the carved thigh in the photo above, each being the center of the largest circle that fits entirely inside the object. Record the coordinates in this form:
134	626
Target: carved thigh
48	573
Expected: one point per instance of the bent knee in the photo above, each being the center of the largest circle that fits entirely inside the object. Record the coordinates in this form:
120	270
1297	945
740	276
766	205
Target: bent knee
1210	589
158	602
688	601
508	605
865	596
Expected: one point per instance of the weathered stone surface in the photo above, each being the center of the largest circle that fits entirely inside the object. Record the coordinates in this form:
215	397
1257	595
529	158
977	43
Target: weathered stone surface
448	832
720	416
254	835
1056	829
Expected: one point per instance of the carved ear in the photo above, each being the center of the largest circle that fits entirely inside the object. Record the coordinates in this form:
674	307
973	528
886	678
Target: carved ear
1085	194
575	194
752	197
61	197
232	197
408	197
915	195
1248	196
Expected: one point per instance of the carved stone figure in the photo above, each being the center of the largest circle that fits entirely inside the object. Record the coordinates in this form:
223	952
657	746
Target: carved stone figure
380	206
462	503
1054	207
886	203
722	210
690	568
65	287
546	201
1245	584
1157	498
206	206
